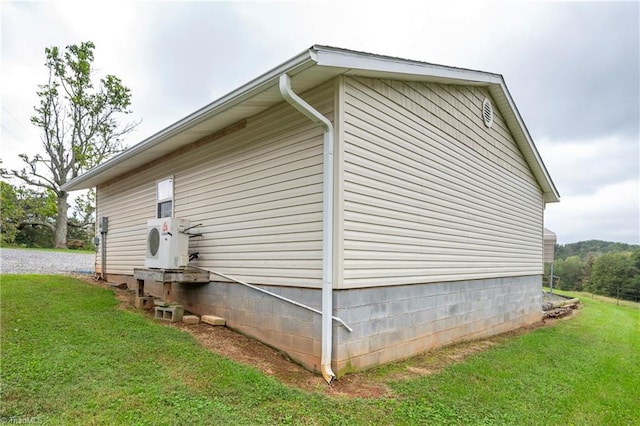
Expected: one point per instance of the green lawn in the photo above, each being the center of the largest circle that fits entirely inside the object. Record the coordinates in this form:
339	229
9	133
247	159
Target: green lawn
70	356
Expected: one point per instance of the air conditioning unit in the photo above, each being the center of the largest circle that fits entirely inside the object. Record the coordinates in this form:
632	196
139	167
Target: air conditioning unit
167	243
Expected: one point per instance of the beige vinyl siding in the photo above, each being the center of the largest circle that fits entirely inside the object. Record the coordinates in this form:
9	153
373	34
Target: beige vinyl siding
128	207
431	194
257	193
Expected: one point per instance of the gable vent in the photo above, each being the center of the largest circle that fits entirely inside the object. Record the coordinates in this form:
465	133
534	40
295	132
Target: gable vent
487	112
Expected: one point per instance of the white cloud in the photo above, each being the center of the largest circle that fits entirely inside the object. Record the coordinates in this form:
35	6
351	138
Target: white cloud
584	167
42	25
599	182
612	213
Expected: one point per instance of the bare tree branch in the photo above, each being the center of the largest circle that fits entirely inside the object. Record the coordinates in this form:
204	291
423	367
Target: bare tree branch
21	225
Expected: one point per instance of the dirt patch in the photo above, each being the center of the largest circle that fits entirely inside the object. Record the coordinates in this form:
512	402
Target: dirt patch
368	384
248	351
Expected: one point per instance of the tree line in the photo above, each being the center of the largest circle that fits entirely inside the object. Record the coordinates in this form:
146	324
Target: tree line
599	267
28	218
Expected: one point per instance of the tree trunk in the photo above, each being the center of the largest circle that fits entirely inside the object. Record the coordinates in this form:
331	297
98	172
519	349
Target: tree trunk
60	236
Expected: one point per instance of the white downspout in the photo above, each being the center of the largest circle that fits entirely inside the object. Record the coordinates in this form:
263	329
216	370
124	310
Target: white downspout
327	221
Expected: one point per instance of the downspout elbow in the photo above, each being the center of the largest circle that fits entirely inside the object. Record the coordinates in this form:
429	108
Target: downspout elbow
306	109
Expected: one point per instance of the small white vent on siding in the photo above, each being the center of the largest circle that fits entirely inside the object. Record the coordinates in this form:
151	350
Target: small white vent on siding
487	112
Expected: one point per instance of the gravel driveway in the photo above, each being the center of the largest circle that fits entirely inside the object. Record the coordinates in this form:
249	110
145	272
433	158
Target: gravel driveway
17	261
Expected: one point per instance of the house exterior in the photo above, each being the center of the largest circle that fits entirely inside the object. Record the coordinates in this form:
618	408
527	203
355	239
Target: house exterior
406	201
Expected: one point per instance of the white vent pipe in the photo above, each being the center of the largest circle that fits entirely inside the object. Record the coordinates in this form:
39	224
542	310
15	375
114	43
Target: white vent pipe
327	221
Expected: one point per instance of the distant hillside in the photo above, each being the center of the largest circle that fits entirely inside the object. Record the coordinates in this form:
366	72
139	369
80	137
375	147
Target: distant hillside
582	248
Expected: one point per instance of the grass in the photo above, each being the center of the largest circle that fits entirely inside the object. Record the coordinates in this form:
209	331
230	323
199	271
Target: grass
69	355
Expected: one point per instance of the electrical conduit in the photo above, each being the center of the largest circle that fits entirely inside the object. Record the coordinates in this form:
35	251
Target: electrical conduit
277	296
327	221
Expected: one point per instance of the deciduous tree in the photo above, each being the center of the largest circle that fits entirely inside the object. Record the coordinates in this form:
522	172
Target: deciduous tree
27	215
613	274
79	123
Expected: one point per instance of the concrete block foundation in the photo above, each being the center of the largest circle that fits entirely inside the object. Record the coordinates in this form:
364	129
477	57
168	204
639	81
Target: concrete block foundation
389	323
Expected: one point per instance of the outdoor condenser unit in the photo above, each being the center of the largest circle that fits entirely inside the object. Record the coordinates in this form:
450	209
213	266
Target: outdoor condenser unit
167	243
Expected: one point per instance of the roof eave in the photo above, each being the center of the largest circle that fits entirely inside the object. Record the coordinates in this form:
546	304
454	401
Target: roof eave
91	179
348	62
519	130
354	61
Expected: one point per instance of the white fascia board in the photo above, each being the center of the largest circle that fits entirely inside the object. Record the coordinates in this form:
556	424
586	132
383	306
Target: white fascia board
332	57
551	194
255	86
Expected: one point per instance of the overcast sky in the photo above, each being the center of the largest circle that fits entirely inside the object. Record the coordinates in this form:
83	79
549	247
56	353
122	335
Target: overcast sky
572	68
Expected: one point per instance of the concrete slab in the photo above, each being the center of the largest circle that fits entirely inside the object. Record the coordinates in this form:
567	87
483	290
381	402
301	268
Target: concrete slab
213	320
184	276
190	319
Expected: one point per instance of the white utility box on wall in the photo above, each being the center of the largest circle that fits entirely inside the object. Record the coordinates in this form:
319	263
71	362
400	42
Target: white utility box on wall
167	243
